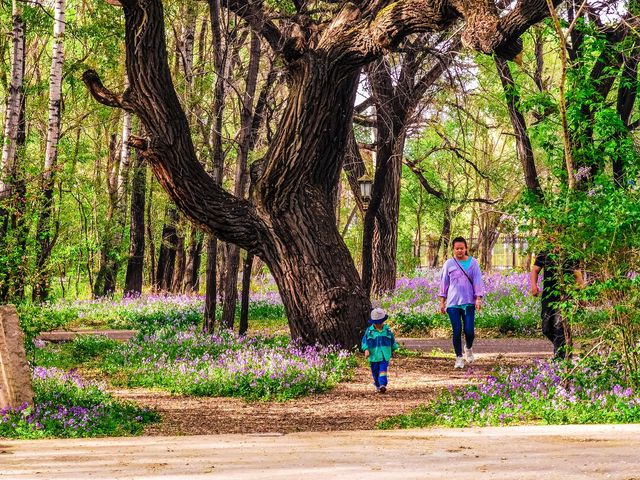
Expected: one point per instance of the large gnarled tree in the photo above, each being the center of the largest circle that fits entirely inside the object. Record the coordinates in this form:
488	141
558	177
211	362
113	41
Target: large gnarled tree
292	224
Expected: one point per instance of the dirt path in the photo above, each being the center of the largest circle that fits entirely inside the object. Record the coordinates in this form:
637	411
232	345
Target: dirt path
352	405
568	452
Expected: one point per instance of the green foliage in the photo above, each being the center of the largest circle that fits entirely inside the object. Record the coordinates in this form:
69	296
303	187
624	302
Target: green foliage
35	319
597	222
264	314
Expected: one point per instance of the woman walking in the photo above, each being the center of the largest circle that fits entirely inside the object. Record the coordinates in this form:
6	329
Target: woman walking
461	291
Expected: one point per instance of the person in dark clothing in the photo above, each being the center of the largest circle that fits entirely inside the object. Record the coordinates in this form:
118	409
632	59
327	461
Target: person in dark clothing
552	325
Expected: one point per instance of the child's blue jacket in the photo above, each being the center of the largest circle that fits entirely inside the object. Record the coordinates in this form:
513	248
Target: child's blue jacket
380	343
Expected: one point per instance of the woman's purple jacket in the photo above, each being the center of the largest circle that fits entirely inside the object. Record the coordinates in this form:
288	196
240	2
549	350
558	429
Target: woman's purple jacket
456	287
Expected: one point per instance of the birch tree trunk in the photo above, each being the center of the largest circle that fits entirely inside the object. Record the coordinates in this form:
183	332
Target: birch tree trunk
46	233
13	230
14	105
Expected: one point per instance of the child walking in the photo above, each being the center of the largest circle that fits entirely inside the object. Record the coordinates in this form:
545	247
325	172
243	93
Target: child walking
378	344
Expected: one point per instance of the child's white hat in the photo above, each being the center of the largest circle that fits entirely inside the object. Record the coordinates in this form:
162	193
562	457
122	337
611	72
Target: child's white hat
378	315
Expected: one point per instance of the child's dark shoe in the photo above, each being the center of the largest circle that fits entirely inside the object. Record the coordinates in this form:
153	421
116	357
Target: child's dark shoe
383	390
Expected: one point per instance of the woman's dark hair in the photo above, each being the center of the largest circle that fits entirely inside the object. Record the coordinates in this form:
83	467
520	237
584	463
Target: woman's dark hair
460	240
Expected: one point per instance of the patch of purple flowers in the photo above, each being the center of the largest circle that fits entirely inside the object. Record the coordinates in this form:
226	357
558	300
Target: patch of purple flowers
66	405
196	363
544	392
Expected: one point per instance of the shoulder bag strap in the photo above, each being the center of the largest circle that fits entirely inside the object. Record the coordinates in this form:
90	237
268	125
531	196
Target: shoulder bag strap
462	269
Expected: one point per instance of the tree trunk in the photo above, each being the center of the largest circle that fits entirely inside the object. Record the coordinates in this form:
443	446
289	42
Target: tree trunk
211	289
385	236
105	283
244	301
180	267
245	142
446	231
523	144
230	286
167	255
194	259
210	293
46	233
395	105
135	265
13	228
149	232
15	104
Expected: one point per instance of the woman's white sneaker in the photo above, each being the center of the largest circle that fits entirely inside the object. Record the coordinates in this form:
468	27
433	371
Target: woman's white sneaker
459	363
468	355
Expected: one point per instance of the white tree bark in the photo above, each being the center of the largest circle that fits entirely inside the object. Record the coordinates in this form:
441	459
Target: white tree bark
125	153
55	91
14	103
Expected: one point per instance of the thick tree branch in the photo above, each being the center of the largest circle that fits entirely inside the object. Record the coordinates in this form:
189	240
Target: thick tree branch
423	181
138	143
362	106
525	14
364	121
101	93
251	12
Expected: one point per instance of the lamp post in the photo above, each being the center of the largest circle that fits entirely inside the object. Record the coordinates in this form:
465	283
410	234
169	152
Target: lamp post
365	182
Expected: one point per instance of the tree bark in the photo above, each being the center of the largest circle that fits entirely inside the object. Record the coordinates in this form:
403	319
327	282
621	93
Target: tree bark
211	288
523	143
15	104
149	234
13	227
245	144
395	105
135	265
180	266
244	300
194	259
209	323
167	255
105	283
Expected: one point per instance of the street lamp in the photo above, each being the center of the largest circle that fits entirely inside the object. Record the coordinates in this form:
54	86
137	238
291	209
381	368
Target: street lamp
365	182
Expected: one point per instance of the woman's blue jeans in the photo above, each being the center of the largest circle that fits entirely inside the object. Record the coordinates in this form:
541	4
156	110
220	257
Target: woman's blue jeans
462	317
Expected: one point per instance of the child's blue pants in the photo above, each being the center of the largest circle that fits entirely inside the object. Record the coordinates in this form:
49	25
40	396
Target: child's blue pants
379	372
